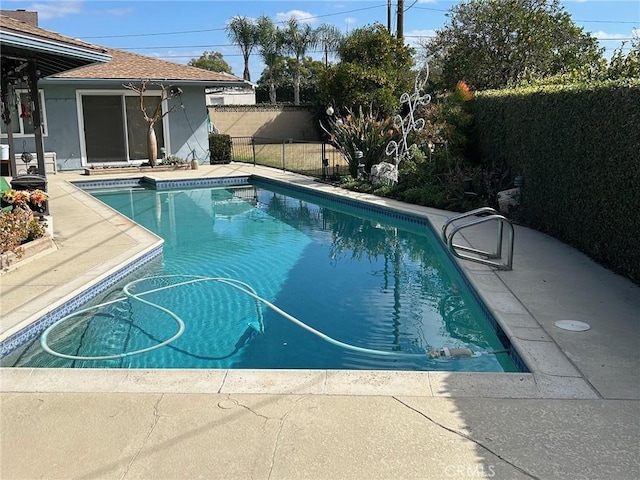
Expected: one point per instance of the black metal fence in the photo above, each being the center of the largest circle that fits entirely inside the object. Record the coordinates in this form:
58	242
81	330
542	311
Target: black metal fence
316	159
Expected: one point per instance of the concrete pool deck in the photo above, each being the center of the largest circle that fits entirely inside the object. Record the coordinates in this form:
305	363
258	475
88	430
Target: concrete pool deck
575	416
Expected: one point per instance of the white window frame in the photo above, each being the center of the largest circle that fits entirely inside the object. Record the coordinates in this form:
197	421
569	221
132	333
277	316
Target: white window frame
43	112
122	93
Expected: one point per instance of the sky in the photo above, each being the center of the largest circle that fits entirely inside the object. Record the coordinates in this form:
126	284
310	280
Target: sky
179	31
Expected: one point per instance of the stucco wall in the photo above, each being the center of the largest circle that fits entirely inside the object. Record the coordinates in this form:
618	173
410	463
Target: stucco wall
187	124
63	126
267	122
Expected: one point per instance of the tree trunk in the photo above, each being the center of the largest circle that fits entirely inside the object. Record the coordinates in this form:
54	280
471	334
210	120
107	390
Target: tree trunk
246	75
272	92
296	88
152	146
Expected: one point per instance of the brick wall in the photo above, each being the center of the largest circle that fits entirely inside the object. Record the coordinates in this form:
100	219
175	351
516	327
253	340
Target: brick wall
28	17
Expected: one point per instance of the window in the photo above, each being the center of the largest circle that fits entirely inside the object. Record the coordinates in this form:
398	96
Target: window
22	115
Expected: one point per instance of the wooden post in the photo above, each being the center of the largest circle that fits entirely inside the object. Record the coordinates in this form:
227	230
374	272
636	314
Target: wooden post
8	97
36	116
400	18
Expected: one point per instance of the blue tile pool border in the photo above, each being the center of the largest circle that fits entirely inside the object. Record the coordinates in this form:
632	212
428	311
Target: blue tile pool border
415	219
161	184
33	330
107	183
198	182
36	328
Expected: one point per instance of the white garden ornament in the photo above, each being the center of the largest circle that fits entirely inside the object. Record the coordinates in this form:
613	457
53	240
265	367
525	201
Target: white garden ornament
400	150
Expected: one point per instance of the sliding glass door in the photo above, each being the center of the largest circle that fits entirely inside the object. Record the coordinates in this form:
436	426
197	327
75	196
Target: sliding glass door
115	130
104	128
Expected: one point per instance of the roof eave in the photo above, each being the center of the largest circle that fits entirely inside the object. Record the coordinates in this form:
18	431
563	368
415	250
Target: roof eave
203	83
48	46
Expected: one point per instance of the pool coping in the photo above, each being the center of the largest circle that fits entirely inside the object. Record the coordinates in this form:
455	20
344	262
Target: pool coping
552	374
67	297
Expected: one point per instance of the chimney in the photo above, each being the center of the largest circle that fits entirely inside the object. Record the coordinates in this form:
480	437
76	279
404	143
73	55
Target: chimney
28	17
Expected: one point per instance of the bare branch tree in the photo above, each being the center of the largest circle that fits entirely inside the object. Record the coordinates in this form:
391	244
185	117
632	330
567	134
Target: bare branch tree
166	93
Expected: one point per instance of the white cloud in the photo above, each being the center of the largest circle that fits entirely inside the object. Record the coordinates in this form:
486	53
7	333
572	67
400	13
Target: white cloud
428	33
609	36
414	38
350	20
57	9
300	15
120	12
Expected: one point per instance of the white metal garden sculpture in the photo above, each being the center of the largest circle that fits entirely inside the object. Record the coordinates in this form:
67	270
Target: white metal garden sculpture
400	150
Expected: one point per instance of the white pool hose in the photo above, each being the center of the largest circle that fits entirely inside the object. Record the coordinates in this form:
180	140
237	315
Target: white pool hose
248	290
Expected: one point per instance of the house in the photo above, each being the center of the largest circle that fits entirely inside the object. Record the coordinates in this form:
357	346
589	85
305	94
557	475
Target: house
245	95
28	53
90	118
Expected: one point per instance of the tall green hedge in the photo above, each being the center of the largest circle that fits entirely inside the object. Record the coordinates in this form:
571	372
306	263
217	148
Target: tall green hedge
578	149
219	148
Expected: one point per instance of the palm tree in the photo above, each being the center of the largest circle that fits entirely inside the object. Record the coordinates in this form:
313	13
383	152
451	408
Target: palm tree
329	37
243	32
297	41
270	45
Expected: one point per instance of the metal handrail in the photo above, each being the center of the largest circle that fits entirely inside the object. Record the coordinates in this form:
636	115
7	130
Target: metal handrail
494	216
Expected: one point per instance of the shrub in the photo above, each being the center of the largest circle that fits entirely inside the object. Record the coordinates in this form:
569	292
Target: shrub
219	148
174	160
577	148
36	229
428	194
361	138
17	227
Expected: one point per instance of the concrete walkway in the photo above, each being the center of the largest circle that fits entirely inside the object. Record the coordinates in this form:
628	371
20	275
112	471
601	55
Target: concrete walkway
575	416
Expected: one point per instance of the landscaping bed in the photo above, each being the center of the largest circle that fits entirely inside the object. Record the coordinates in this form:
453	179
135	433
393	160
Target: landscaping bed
28	250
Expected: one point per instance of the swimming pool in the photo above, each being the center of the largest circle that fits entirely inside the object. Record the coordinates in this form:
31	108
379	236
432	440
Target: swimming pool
382	282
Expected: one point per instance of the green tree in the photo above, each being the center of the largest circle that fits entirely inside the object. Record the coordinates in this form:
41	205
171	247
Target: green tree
374	70
243	32
624	66
297	40
310	71
282	73
492	43
212	61
270	46
329	38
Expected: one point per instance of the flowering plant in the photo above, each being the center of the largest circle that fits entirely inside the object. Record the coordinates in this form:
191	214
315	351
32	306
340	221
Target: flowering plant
18	227
38	197
23	197
463	92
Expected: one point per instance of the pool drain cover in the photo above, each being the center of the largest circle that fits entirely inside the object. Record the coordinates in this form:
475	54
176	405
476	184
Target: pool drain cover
573	325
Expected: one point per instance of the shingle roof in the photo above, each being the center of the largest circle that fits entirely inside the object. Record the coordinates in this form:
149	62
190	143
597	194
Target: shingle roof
123	65
12	25
132	66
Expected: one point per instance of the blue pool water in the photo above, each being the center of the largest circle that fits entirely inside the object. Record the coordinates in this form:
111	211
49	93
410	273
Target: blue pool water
371	281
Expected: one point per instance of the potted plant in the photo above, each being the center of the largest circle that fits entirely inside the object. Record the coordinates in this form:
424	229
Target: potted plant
35	200
20	229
